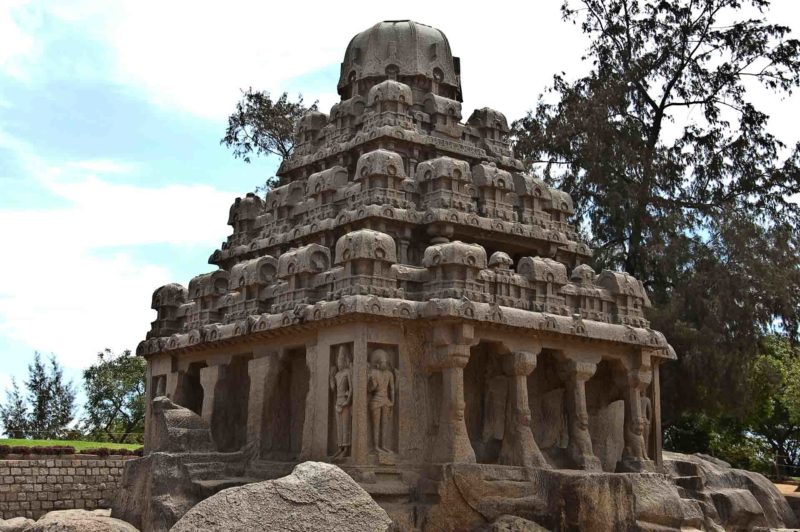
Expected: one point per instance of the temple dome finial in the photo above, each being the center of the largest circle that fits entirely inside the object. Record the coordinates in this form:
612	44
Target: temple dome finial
403	50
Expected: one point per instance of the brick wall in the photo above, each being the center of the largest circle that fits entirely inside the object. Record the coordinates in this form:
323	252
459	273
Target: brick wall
31	488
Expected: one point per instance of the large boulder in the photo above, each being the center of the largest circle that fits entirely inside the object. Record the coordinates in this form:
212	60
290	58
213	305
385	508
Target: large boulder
79	521
316	496
17	524
733	498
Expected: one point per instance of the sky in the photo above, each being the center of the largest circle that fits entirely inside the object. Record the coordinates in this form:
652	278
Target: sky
112	178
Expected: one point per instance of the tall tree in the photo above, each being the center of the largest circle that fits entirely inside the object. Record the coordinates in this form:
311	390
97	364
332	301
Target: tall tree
678	179
262	126
115	396
14	413
51	400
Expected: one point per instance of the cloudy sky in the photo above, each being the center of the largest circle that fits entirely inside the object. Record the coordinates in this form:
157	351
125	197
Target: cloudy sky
112	179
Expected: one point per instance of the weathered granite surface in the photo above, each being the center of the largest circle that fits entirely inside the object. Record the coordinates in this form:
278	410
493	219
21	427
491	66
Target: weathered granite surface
413	306
315	496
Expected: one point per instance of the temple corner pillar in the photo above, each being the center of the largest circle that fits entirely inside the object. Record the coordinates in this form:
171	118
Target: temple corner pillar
519	446
634	378
575	372
449	354
209	377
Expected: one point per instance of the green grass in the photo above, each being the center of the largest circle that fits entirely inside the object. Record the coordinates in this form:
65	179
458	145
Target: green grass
78	445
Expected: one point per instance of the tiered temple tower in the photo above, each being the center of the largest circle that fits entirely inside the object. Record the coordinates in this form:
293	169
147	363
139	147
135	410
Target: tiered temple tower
409	297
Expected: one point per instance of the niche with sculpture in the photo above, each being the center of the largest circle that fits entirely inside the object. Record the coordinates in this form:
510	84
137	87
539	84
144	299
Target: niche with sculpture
382	401
341	387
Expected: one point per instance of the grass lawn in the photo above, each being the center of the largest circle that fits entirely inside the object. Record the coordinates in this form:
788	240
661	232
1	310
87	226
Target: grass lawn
79	445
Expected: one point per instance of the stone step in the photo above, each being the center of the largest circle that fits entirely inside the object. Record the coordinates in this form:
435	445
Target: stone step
206	470
528	507
689	483
511	489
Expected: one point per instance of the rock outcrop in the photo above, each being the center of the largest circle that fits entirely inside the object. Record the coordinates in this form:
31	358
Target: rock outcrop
316	496
79	521
732	498
17	524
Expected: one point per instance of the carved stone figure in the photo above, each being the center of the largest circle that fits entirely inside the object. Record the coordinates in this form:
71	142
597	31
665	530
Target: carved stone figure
402	236
341	383
381	388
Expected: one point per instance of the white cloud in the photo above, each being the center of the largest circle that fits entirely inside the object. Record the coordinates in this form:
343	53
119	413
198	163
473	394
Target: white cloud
102	166
16	45
61	291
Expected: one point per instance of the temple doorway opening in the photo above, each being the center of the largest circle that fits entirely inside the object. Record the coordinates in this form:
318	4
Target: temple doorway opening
485	396
289	406
229	422
190	390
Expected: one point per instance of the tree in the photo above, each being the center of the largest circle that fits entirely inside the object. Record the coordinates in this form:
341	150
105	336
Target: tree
115	396
14	413
767	437
262	126
51	400
46	409
678	180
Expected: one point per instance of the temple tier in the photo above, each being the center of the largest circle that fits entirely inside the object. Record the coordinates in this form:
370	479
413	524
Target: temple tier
407	297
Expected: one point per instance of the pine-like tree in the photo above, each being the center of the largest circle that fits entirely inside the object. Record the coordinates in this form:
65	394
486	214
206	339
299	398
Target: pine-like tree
14	413
38	395
51	400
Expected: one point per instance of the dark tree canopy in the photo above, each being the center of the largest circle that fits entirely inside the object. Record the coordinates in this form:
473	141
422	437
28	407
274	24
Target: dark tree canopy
262	126
115	397
47	408
678	179
14	413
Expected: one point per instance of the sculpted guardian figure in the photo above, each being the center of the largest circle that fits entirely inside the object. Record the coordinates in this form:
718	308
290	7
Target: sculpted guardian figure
341	382
380	386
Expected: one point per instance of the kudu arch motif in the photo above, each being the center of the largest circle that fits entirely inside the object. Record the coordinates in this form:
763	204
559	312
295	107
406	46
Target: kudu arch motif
409	296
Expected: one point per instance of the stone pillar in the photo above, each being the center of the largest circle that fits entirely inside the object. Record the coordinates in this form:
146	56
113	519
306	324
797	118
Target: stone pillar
257	370
209	377
519	447
451	350
359	450
575	373
634	381
655	426
309	420
173	386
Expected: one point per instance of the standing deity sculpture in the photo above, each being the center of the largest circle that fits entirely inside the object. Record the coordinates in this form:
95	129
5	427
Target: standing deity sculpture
341	383
381	389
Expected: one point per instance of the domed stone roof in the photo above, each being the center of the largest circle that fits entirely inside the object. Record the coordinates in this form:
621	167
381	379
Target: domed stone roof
399	48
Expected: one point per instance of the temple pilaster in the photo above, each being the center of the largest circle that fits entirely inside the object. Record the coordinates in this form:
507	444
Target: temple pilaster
451	351
634	380
575	373
519	447
209	377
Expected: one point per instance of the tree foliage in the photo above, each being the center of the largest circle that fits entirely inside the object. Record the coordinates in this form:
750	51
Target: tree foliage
678	180
767	437
262	126
48	406
14	413
115	397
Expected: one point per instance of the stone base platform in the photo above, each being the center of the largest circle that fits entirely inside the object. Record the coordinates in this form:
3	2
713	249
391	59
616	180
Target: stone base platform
693	493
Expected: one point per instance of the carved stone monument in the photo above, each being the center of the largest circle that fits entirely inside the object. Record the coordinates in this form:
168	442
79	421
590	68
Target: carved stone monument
412	305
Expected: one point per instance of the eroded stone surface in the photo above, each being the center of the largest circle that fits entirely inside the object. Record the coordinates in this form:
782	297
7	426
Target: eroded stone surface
16	524
410	304
316	496
79	521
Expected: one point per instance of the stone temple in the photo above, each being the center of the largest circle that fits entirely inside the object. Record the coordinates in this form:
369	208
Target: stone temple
412	306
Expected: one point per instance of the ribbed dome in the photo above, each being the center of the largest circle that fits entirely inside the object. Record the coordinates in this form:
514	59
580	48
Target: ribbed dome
396	49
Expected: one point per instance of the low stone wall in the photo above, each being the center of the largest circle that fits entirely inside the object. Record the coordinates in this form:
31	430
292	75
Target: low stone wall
33	487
